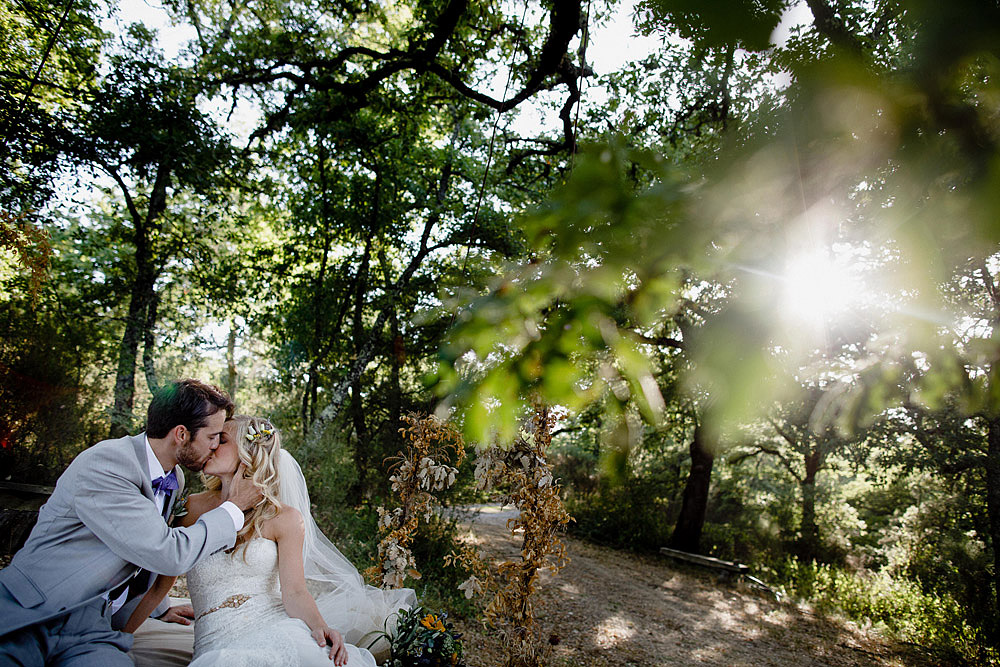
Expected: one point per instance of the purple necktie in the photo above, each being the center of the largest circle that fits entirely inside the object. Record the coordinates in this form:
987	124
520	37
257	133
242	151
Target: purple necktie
166	484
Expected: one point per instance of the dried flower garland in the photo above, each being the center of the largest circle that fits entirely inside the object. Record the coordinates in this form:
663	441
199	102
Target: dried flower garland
419	472
523	469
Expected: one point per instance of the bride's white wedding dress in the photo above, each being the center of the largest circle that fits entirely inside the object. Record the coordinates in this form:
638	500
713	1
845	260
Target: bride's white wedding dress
240	620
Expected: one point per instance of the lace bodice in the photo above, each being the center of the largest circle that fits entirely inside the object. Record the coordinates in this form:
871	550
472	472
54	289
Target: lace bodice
236	595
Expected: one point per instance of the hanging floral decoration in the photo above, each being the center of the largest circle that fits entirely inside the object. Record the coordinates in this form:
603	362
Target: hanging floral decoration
524	471
421	470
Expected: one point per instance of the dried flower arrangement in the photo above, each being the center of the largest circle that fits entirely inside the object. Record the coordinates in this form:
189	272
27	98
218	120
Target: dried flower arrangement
524	470
422	470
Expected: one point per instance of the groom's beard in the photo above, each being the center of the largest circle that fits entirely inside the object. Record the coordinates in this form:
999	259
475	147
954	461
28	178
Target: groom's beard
188	458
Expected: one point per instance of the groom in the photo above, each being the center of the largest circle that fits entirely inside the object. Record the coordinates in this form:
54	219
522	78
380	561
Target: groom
103	530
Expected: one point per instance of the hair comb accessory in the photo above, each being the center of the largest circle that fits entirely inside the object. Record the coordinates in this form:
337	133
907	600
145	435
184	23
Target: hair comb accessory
255	433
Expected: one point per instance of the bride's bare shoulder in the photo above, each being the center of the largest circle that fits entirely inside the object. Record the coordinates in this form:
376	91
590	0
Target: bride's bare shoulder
288	522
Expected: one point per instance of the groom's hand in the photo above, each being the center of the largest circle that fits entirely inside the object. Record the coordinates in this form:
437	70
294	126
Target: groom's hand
242	491
182	613
329	637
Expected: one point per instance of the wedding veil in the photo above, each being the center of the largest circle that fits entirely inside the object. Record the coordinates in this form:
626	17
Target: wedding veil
358	611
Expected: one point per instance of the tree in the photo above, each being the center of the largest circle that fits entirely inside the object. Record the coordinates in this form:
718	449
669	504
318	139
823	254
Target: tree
48	65
713	214
144	131
345	78
355	53
950	400
803	443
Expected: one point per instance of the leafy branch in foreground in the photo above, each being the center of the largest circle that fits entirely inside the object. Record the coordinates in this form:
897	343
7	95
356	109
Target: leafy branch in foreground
31	244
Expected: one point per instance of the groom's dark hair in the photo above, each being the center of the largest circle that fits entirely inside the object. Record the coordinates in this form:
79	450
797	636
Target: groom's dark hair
188	402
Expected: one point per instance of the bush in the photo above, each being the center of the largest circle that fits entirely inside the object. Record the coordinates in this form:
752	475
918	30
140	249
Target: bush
632	515
945	558
353	530
438	584
899	606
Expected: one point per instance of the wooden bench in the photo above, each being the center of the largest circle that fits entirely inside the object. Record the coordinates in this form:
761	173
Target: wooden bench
19	504
726	569
706	561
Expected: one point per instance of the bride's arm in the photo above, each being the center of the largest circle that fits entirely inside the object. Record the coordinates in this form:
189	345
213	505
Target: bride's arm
149	602
289	532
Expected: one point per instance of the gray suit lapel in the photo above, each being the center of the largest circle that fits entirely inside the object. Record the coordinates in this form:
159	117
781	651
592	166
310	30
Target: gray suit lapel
139	445
176	493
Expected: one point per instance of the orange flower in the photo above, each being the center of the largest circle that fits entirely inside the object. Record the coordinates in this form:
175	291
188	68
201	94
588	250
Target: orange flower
432	622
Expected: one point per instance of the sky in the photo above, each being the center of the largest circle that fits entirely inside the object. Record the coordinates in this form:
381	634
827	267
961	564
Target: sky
610	47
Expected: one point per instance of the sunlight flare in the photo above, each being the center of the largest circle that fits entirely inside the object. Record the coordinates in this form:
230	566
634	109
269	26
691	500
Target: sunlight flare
820	285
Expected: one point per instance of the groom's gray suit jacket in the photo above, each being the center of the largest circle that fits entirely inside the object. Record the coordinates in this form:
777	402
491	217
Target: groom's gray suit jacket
98	529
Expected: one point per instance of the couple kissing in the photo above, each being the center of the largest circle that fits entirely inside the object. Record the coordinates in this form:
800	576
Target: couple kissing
267	587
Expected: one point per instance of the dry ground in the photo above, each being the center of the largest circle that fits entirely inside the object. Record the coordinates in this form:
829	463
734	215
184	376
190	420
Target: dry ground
608	607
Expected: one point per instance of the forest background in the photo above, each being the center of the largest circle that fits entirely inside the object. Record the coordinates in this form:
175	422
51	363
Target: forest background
755	269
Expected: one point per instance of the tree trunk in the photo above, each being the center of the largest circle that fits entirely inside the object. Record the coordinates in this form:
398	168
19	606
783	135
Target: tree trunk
128	351
141	299
687	532
319	289
808	543
232	377
338	393
306	392
362	448
397	355
993	498
149	345
362	439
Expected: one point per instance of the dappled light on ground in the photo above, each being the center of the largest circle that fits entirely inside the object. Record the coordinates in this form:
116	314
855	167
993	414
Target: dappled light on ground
614	608
613	630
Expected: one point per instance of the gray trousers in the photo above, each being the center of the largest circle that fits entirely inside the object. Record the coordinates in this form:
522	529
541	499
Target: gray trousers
81	638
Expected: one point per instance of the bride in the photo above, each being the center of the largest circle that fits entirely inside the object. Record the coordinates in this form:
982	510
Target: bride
255	605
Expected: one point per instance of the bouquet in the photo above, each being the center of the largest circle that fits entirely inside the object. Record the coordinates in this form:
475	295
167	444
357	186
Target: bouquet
424	639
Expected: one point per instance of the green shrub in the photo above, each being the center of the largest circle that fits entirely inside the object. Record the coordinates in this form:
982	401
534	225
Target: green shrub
438	584
934	621
353	530
943	555
631	515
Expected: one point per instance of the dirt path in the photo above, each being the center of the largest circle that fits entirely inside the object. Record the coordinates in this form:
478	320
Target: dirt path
608	607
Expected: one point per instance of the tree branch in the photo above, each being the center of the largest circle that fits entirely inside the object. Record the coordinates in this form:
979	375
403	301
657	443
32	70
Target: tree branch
832	26
322	73
660	341
126	194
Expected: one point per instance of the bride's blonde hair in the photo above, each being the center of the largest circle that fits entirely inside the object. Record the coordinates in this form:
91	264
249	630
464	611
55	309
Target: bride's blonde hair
258	444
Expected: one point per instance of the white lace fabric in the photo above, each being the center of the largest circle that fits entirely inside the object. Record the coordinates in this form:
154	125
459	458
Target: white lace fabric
218	578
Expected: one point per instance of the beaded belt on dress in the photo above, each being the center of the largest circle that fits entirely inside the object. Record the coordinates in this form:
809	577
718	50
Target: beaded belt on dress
232	601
